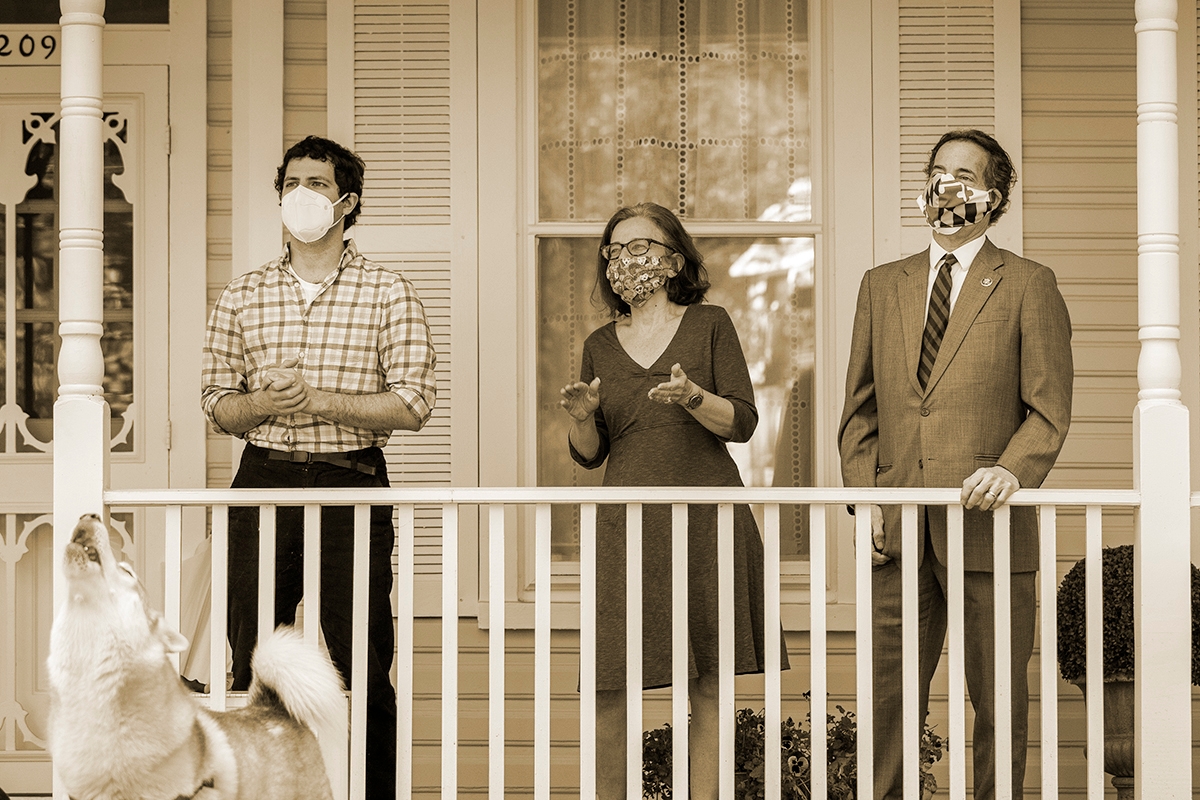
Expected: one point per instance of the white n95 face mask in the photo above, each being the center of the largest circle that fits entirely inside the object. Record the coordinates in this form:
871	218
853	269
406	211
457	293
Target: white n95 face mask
308	215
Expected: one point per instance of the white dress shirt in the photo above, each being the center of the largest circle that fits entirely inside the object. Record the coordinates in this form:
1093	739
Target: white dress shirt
958	273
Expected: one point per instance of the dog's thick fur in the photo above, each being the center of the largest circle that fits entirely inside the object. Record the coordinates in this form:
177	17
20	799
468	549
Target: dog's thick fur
123	726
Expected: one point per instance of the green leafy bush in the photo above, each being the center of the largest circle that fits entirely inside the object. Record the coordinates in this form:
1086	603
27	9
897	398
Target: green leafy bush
750	764
1117	588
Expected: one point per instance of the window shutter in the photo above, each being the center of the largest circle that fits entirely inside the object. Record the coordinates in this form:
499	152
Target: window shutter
947	72
402	126
402	110
423	458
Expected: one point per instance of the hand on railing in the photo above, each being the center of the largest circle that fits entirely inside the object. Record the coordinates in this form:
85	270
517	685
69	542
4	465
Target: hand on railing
988	488
878	537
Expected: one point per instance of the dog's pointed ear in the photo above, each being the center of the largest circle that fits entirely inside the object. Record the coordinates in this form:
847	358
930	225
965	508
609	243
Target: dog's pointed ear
173	641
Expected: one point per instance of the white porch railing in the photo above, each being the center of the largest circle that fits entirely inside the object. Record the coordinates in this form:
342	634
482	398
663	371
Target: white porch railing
499	540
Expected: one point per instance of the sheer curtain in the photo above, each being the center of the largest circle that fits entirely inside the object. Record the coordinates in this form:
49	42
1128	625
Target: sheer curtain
703	107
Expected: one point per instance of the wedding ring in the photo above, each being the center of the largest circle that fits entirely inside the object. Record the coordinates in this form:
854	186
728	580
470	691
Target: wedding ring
990	494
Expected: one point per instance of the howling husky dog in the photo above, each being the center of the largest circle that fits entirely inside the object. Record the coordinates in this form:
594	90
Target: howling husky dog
122	725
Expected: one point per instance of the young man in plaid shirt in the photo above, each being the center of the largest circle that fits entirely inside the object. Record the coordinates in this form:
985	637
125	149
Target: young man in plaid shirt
314	359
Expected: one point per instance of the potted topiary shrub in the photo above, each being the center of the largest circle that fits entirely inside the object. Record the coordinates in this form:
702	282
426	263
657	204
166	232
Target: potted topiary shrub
750	764
1117	589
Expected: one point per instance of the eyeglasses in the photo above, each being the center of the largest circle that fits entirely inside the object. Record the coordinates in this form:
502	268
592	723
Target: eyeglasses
635	247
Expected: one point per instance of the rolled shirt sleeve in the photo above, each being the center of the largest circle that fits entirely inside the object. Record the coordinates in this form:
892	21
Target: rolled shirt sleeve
406	351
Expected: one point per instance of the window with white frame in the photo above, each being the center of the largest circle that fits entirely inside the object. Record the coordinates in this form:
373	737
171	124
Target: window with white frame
29	336
703	107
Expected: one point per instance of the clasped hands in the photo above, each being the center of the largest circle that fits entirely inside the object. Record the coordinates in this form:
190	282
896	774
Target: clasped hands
284	390
986	489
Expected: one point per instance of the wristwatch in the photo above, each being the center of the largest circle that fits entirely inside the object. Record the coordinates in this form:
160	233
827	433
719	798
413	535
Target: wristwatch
693	402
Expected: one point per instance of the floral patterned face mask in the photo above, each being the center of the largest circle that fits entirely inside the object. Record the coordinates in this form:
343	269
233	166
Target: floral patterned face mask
949	205
635	278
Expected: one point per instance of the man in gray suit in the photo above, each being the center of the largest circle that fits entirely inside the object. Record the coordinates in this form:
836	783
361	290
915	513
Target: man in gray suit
960	374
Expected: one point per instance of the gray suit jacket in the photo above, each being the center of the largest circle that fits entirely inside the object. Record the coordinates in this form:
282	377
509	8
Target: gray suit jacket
999	392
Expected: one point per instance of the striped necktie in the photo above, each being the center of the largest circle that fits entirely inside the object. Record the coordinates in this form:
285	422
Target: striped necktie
939	316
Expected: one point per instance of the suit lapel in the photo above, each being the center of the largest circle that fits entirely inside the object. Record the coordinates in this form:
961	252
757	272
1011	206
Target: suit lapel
913	290
982	279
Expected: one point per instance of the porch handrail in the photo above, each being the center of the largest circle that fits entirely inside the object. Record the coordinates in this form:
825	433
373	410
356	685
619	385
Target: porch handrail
525	495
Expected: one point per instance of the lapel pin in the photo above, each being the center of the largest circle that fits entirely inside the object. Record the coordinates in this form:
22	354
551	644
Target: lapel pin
986	281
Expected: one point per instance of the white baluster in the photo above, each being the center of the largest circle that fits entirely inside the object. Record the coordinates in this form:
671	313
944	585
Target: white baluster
405	534
863	646
909	647
680	776
496	671
450	557
633	649
360	615
587	650
541	656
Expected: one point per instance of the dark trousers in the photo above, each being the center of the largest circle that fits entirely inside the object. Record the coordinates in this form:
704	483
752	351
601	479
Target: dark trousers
337	564
979	666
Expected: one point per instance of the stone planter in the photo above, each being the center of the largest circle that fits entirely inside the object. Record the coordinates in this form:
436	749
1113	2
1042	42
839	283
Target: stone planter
1118	733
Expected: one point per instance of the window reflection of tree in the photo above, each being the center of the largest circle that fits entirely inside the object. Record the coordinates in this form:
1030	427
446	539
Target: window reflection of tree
767	287
117	342
35	296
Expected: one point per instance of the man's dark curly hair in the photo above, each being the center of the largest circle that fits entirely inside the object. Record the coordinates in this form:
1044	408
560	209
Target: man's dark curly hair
348	168
999	174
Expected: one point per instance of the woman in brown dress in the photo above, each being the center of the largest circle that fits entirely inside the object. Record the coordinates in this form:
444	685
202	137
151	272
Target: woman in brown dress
661	389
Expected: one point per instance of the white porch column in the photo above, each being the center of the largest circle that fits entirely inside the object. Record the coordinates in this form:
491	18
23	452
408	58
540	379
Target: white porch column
81	416
1162	578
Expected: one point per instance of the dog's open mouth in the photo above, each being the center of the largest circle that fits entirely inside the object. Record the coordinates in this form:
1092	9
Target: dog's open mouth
85	539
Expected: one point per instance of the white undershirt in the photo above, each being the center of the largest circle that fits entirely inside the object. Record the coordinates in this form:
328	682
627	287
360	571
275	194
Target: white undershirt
309	290
965	254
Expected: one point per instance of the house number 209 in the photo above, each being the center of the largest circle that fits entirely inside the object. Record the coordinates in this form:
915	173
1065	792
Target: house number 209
25	48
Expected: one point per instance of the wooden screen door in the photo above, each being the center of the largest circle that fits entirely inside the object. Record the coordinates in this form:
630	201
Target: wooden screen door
134	344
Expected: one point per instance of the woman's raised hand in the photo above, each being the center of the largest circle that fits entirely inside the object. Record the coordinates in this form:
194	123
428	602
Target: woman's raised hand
581	399
676	390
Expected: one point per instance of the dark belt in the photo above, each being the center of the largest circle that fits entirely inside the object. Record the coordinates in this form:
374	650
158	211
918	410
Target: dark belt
337	459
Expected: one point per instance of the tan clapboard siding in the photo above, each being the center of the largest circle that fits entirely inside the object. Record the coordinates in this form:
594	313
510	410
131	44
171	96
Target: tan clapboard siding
402	117
220	196
1079	99
402	131
423	458
303	70
947	80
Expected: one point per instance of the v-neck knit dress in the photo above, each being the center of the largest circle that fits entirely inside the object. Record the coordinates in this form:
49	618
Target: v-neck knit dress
651	444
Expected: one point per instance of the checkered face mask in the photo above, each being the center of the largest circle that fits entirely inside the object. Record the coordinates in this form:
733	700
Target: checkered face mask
949	204
635	278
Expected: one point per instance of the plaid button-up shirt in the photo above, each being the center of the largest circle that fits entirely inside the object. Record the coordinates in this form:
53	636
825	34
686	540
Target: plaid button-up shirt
364	333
